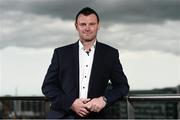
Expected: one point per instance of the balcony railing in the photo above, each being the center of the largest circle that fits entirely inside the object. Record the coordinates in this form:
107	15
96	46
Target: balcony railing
152	98
37	107
23	107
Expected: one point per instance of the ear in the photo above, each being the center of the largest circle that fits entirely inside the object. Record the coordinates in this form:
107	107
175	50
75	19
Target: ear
99	26
75	24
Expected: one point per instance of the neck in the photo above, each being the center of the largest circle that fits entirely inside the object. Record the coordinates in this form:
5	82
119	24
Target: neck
88	44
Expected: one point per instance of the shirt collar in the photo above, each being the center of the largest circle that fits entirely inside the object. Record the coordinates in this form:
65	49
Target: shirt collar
81	47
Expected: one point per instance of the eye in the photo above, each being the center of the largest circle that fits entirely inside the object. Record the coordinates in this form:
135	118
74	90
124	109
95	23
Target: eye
82	24
92	24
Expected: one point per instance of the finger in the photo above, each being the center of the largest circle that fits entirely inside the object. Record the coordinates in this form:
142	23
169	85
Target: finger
86	100
81	115
88	106
92	109
97	109
85	111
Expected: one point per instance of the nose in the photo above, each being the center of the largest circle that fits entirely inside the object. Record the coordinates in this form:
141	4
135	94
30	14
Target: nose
87	28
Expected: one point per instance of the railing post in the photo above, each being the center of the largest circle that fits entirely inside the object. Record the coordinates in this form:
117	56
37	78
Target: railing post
178	104
178	110
47	107
130	109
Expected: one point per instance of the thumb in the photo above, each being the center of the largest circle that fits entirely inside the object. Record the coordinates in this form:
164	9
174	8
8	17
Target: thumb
86	100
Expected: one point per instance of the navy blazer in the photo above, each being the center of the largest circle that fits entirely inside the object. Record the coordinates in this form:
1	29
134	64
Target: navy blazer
61	83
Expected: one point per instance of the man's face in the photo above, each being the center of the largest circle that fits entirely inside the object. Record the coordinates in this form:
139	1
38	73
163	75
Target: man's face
87	26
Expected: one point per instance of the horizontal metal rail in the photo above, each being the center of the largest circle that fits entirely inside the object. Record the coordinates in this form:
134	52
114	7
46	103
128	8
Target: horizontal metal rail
154	97
130	99
134	97
23	98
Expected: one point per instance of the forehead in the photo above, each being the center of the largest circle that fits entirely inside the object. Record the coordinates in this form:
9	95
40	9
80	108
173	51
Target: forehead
87	18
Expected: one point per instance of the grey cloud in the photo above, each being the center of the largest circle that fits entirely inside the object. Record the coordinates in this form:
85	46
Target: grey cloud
163	37
127	11
19	29
65	9
23	23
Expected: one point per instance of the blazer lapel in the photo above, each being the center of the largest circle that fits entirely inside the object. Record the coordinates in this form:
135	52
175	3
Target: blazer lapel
98	55
76	67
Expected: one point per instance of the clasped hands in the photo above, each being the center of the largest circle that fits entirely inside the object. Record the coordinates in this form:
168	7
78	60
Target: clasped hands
83	106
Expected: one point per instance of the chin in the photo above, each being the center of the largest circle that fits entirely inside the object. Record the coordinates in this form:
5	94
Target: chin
88	40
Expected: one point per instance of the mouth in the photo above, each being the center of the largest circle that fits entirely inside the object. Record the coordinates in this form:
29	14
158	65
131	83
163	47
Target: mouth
87	34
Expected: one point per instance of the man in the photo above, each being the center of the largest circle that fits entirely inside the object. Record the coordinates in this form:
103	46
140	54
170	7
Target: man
77	78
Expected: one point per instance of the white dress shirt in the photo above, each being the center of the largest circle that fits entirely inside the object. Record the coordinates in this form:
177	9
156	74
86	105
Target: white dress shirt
85	65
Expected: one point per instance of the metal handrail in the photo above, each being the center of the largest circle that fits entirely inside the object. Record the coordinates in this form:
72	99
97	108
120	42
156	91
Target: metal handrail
154	97
23	98
133	97
130	99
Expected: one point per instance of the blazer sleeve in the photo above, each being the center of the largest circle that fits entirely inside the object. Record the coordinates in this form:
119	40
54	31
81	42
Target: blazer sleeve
51	88
119	81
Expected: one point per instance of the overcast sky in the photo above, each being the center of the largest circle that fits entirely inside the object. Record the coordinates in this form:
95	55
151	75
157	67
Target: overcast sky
154	23
146	32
